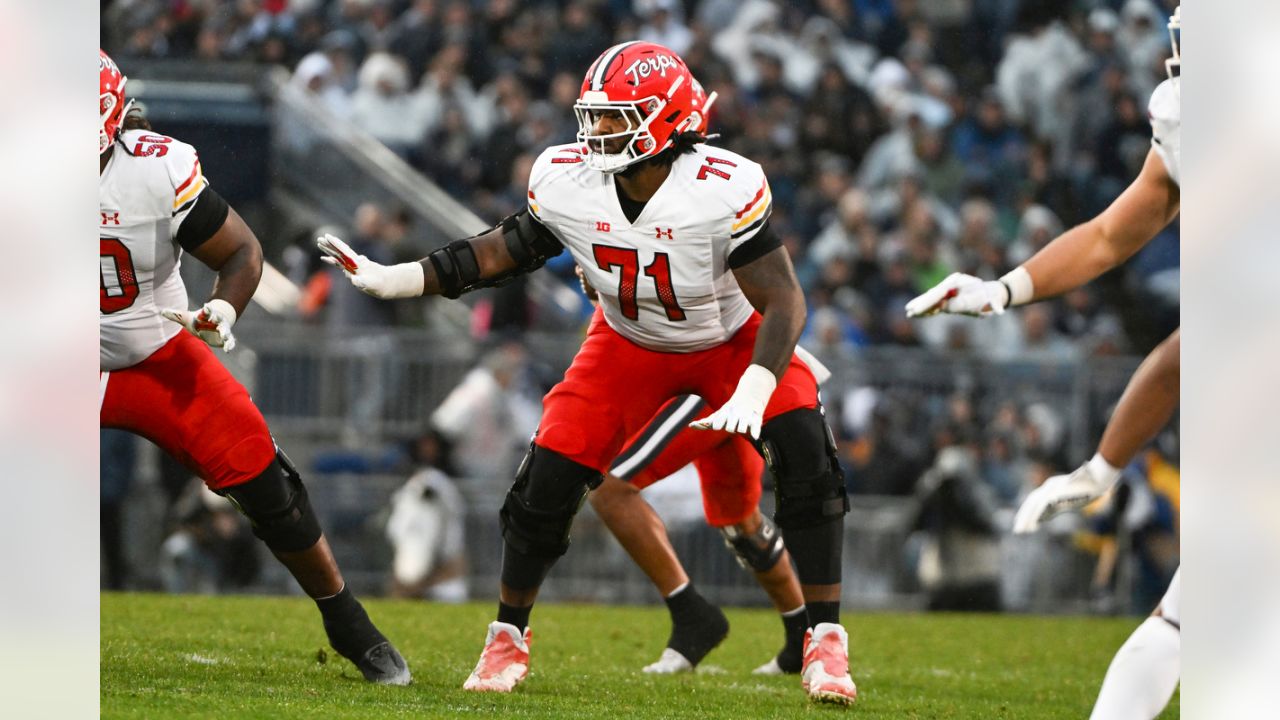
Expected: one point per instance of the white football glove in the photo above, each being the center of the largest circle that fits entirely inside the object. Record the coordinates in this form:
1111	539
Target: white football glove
381	281
1062	493
211	323
961	294
744	412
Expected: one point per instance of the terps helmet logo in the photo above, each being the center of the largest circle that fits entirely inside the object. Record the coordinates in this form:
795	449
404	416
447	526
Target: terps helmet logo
644	67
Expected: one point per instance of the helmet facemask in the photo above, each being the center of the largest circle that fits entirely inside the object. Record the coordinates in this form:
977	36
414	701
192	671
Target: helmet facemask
637	141
1174	64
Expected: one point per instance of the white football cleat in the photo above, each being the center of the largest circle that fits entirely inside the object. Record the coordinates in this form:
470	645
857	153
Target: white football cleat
669	663
826	665
504	662
769	668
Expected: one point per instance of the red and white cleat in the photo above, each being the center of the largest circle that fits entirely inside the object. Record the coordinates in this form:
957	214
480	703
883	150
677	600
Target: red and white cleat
504	662
825	675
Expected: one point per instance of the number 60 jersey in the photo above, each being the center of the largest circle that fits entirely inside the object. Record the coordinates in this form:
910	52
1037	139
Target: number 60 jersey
666	280
146	191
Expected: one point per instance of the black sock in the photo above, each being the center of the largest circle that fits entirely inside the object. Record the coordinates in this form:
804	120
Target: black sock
794	625
697	626
348	626
687	605
823	612
512	615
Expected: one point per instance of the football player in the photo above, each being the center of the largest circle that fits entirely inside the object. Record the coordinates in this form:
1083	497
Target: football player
1144	673
698	296
729	472
164	383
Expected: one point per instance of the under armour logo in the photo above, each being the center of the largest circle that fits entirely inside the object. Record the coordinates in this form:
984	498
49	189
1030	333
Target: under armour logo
110	218
602	226
663	233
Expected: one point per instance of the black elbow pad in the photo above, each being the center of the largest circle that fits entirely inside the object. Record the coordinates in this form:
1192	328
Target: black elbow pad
528	241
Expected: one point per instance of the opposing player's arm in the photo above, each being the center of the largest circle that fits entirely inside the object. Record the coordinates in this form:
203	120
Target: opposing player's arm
1147	406
1072	259
1088	250
517	245
770	284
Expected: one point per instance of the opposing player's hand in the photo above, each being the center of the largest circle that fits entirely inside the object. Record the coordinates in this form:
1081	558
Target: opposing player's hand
744	412
1059	494
381	281
961	294
211	323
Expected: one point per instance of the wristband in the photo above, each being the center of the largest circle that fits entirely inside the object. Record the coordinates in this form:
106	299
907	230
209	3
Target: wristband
758	383
405	280
1103	471
1021	289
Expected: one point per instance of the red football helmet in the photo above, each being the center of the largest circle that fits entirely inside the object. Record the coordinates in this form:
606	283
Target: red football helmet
653	90
111	104
702	103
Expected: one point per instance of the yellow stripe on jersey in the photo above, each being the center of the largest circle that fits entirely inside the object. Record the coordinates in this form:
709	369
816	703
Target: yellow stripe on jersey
756	212
193	186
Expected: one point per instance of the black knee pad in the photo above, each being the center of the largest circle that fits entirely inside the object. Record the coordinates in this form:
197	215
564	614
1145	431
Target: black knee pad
277	505
548	491
758	551
808	483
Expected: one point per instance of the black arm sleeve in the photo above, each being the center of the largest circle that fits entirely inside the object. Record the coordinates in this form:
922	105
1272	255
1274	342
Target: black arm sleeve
760	244
529	242
205	219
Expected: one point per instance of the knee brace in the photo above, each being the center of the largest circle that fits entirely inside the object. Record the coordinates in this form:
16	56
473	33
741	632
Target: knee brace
548	491
758	551
808	483
276	503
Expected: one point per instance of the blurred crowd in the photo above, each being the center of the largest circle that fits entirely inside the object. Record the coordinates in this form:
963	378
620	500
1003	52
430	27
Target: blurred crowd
903	140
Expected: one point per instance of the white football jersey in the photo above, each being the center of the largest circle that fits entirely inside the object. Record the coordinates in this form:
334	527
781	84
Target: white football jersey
147	189
1165	110
664	281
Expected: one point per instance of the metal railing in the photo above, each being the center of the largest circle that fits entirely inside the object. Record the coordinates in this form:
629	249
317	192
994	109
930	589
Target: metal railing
333	166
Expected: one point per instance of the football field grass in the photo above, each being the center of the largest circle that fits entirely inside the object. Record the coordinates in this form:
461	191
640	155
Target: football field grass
255	657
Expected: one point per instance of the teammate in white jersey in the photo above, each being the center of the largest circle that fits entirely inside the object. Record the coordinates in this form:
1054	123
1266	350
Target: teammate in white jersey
1143	675
166	385
699	298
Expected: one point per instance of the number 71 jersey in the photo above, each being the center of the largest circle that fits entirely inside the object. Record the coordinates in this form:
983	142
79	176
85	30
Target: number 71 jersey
666	280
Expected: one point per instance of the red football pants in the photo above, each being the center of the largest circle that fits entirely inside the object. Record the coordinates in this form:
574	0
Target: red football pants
614	387
182	399
729	470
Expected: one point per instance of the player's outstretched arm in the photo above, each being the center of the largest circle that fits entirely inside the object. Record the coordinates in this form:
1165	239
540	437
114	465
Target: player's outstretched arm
1144	409
770	284
232	250
1072	259
519	244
